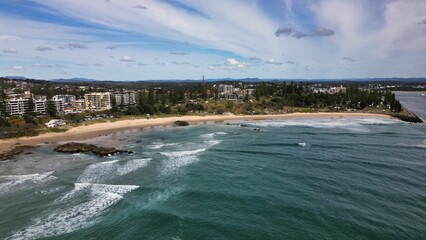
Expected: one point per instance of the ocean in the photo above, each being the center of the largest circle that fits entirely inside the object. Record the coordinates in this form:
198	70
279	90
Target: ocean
414	101
341	178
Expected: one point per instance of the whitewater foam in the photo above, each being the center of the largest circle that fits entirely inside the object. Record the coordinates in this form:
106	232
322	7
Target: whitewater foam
211	143
12	183
351	124
49	190
304	145
157	145
66	220
99	172
211	135
423	145
179	159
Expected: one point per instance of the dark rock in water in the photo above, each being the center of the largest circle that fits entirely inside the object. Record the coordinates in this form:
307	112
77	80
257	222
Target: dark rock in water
138	141
181	123
105	151
16	151
74	147
256	129
243	125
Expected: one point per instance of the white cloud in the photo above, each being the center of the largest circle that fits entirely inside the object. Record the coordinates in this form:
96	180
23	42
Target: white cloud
274	62
385	37
42	65
10	37
127	59
226	25
232	61
11	50
234	64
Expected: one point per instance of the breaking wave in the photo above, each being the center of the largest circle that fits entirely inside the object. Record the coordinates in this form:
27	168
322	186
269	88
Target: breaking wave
179	159
12	183
61	221
351	124
100	172
211	135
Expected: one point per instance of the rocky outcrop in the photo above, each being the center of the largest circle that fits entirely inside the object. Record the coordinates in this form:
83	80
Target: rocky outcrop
408	118
16	151
181	123
74	147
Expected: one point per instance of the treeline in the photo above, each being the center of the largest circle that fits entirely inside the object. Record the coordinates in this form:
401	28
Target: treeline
300	95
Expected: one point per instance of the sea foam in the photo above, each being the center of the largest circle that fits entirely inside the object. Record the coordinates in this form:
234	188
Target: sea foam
179	159
65	220
351	124
99	172
12	183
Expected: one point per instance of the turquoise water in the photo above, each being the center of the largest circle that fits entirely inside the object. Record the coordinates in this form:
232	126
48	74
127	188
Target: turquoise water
294	179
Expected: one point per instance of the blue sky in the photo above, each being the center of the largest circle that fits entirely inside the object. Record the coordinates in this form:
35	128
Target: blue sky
185	39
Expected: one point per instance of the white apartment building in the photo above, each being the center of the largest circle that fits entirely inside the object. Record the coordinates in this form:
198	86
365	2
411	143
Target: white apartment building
40	105
98	101
226	89
17	105
67	100
125	98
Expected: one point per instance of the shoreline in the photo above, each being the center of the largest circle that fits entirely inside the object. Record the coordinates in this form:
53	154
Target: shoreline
105	128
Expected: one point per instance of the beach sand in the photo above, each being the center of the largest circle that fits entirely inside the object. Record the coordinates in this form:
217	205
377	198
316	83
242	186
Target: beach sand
105	128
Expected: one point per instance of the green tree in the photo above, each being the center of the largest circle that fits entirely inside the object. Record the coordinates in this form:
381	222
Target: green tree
29	119
114	106
31	108
151	98
51	110
4	122
3	108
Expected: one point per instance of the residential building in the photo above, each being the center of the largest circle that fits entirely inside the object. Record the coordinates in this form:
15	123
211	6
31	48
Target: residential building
40	105
67	100
98	101
79	105
226	89
17	105
125	98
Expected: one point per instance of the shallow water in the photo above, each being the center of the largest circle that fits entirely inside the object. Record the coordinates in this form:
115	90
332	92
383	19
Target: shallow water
358	178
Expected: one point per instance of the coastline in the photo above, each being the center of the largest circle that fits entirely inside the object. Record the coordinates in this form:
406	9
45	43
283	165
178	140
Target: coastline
105	128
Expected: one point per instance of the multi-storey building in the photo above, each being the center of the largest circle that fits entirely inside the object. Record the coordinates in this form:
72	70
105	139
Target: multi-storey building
67	100
40	105
125	98
17	105
226	89
80	105
98	101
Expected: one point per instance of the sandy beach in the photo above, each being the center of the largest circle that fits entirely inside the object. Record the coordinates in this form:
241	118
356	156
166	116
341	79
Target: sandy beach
97	129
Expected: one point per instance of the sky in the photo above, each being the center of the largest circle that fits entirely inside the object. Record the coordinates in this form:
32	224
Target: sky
185	39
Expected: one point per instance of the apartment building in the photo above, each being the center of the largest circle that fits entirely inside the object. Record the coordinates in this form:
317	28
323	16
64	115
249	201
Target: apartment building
125	98
98	101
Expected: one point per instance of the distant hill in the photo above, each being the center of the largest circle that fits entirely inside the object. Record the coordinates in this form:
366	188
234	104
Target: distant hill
73	80
15	77
211	80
